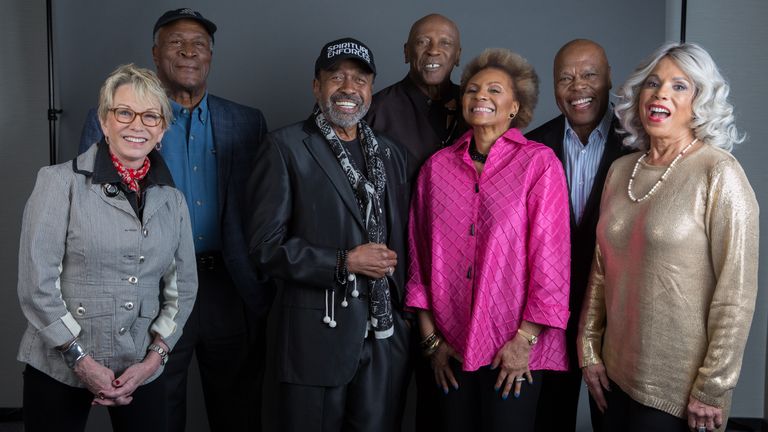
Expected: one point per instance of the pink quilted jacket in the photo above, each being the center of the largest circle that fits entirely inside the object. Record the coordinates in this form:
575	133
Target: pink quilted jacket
487	251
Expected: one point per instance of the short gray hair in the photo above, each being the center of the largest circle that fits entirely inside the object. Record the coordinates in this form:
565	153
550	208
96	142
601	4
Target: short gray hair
713	119
524	79
145	84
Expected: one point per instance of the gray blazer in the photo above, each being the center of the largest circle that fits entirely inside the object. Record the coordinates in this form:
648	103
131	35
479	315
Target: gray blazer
88	267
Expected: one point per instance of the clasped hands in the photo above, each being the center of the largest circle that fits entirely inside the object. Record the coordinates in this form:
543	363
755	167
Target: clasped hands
111	391
512	359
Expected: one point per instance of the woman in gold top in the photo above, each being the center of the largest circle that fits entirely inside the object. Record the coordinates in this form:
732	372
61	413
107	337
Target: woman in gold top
674	279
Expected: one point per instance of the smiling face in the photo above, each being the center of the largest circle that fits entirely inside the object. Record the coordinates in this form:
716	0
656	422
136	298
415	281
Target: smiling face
182	56
582	80
432	51
344	94
665	103
131	142
489	99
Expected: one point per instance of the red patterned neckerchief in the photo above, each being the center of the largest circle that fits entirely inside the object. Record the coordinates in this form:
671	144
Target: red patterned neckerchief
130	176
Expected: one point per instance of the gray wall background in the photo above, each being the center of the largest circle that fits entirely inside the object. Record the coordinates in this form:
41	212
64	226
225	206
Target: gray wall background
264	57
735	34
265	51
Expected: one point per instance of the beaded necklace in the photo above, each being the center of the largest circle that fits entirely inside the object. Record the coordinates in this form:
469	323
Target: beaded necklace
660	180
475	154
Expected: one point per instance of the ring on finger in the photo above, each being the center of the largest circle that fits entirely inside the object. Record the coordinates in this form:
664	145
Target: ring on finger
519	379
701	429
390	271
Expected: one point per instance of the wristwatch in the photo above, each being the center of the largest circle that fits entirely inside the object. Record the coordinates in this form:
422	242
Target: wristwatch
72	353
531	338
158	349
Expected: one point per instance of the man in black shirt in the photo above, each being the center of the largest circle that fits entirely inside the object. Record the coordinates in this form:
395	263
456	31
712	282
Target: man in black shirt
421	112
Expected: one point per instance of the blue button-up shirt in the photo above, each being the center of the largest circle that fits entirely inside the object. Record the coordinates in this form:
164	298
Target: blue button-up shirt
583	160
189	152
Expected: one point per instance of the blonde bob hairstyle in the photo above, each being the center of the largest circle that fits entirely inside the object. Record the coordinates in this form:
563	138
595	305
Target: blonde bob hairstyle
713	120
524	79
146	86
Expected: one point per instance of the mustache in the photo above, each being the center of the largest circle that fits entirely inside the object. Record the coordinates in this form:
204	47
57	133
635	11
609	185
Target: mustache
338	97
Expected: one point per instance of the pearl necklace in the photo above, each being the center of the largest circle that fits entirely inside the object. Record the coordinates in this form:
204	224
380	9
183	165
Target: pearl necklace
660	180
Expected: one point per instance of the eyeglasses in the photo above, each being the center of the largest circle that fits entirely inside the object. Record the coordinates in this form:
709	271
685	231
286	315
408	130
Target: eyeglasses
126	116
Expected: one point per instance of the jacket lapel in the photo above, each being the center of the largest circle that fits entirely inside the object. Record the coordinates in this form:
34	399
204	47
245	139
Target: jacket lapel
154	198
221	142
558	139
119	201
613	149
321	152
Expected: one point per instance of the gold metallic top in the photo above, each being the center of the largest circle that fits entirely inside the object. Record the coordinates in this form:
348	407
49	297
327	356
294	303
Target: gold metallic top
674	281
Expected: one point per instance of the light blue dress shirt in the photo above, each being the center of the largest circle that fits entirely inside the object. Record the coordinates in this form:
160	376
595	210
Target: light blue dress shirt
190	154
583	160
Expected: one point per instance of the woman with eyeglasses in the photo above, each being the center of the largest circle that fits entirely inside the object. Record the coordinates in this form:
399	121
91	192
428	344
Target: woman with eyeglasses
107	272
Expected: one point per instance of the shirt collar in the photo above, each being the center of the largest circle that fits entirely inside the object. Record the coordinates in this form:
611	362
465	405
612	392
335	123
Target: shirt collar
104	170
201	110
512	135
415	92
602	128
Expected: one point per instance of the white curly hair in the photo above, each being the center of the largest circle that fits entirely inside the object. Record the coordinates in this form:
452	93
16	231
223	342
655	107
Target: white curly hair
713	119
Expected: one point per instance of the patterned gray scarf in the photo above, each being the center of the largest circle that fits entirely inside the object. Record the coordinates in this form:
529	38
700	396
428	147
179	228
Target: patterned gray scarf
369	192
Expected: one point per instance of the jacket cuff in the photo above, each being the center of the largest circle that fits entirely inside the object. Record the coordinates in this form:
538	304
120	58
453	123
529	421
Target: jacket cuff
415	297
707	399
166	328
60	331
547	315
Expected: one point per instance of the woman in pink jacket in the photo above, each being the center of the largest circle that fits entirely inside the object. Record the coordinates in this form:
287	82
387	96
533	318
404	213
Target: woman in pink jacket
489	254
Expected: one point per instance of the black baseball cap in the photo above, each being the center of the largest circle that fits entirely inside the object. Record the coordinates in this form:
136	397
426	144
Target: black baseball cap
185	13
342	49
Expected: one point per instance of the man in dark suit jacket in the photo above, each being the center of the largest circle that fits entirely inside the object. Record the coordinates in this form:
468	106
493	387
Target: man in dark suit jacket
209	149
584	138
329	209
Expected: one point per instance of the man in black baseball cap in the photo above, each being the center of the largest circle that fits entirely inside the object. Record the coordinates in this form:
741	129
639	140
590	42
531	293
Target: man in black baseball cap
207	148
342	49
328	221
184	13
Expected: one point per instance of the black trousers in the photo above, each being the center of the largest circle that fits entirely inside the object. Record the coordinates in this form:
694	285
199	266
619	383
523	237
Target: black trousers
369	403
477	406
559	403
427	393
559	399
50	405
219	334
624	414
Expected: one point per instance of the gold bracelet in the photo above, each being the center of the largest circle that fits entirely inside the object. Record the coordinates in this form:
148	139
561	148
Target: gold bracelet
429	340
429	350
531	338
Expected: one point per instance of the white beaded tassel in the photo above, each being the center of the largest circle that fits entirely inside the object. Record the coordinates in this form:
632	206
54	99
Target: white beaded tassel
332	324
353	279
326	318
